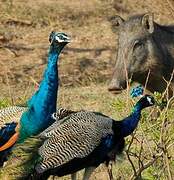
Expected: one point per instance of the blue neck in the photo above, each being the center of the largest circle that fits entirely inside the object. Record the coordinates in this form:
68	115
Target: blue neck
129	124
43	103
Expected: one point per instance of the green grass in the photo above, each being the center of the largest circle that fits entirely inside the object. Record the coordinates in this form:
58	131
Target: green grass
4	103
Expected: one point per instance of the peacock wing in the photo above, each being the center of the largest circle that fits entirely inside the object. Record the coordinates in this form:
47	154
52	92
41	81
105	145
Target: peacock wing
82	117
78	141
61	115
12	113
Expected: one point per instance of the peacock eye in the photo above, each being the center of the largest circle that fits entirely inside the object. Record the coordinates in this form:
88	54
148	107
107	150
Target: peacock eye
61	37
137	45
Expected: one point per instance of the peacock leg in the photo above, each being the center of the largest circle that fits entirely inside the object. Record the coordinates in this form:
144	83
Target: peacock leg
109	169
88	172
74	176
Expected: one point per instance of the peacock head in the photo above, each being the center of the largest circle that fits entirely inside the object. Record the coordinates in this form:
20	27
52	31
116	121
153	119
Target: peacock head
59	39
146	101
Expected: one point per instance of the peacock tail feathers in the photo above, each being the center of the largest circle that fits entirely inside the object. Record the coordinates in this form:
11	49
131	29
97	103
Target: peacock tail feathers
22	161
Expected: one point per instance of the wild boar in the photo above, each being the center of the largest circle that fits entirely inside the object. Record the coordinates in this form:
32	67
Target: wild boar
143	47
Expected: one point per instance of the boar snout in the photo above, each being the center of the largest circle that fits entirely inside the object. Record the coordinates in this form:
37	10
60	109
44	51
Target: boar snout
117	86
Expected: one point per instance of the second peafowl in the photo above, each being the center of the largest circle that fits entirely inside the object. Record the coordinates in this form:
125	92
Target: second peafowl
80	140
37	116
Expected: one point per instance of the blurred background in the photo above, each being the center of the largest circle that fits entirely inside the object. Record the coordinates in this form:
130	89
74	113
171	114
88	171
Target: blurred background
89	59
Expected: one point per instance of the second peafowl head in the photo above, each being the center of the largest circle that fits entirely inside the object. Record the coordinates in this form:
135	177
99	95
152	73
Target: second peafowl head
146	101
129	124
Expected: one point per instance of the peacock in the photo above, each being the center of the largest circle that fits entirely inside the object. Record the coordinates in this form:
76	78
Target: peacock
82	139
37	116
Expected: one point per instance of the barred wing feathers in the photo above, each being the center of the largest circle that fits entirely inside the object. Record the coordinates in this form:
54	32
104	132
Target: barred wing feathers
12	113
75	138
59	116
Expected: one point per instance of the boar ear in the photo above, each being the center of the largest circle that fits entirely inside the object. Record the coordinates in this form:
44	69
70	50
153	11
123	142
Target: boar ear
116	21
147	22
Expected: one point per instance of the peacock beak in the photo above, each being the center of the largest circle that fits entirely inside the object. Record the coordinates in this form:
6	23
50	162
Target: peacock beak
67	39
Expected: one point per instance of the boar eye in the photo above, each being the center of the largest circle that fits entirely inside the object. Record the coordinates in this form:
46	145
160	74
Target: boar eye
137	45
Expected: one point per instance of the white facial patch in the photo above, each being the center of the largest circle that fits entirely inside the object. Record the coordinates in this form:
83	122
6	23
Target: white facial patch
58	39
150	100
64	39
